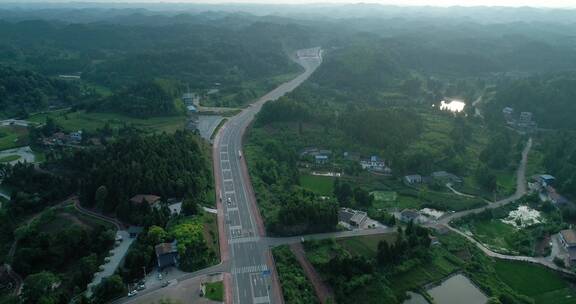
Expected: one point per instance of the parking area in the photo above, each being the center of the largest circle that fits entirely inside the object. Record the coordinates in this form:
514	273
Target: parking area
207	124
114	260
184	292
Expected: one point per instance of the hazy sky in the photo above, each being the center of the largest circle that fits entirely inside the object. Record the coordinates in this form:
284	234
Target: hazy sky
535	3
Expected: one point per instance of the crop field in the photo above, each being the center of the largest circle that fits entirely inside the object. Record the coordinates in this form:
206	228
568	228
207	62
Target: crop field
322	185
539	283
91	121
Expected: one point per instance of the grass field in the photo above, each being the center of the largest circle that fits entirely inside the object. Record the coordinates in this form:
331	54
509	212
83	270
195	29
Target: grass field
493	232
365	245
9	158
539	283
91	121
385	196
322	185
13	136
215	291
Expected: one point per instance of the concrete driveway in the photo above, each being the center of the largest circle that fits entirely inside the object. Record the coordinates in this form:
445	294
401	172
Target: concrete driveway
25	153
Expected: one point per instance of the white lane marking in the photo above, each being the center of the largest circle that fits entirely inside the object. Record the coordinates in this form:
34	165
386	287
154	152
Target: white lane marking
261	300
228	180
250	269
242	240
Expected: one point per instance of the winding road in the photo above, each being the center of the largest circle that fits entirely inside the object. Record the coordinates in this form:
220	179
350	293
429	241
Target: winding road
521	190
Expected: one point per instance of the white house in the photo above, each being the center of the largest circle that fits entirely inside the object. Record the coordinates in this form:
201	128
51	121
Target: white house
375	164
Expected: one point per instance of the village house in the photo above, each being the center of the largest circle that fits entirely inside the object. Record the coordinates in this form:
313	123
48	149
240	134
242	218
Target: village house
321	159
175	208
508	112
76	136
546	180
375	164
568	240
413	179
351	218
167	254
410	215
152	200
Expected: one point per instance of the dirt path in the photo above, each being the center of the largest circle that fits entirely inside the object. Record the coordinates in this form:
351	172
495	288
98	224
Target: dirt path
323	292
99	216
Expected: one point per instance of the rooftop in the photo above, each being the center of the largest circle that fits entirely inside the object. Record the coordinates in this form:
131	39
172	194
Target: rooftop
166	248
569	235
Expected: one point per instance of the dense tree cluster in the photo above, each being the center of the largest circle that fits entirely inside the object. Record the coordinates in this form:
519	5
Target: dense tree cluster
560	160
75	251
34	189
144	99
196	50
165	165
287	208
549	97
23	91
412	242
353	278
360	68
396	127
352	197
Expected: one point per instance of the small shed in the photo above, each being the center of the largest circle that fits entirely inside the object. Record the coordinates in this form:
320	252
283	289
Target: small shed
167	254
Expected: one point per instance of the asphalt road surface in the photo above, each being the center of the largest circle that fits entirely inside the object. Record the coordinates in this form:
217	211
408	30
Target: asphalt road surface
252	270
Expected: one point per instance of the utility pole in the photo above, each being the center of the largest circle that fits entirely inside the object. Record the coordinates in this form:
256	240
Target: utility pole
144	268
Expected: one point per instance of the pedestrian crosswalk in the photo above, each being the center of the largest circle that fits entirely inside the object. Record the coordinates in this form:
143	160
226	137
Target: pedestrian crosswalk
241	240
250	269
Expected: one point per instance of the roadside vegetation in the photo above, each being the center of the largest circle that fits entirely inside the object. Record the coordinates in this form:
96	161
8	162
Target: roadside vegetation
520	235
296	288
389	276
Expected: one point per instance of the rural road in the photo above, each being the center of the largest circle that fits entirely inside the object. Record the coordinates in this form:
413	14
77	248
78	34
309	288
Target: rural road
521	190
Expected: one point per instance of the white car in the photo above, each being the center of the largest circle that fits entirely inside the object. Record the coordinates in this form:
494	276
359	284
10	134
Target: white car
132	293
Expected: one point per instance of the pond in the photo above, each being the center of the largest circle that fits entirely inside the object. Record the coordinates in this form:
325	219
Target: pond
456	290
452	106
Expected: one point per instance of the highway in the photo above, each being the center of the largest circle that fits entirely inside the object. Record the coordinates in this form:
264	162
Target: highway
253	278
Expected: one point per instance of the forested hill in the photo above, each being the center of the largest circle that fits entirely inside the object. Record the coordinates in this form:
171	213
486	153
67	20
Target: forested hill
24	91
360	67
144	99
115	55
166	165
551	98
